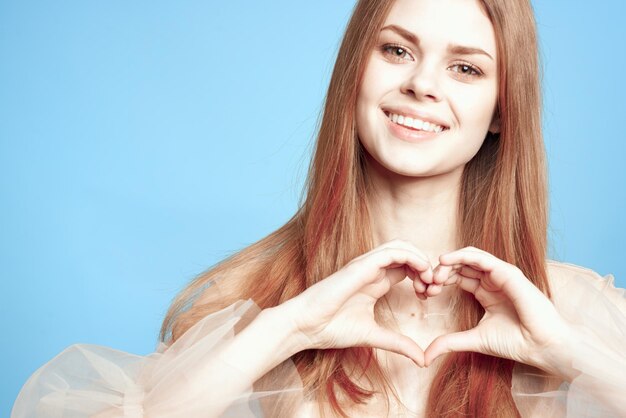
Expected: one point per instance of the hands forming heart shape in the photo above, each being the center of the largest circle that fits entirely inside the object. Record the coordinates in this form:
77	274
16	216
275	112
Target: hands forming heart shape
520	322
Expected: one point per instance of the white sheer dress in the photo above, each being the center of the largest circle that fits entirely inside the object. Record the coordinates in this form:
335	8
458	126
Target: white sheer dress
94	381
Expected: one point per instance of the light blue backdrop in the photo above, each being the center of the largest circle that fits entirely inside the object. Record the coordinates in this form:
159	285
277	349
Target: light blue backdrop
141	142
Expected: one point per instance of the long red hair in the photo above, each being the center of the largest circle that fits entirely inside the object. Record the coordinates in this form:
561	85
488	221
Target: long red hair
503	210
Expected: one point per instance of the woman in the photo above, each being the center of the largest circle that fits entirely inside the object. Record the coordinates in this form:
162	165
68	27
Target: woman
431	134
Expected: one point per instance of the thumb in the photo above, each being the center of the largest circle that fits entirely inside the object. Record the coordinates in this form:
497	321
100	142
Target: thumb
397	343
456	341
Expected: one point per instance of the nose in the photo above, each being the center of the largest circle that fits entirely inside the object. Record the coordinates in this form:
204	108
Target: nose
422	83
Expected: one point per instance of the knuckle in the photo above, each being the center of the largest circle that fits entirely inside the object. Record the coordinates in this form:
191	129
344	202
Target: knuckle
401	242
517	270
352	267
387	256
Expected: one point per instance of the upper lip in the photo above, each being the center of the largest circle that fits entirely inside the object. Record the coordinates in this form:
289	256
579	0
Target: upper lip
415	114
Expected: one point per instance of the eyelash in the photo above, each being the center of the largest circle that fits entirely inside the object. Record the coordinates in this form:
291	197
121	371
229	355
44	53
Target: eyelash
386	47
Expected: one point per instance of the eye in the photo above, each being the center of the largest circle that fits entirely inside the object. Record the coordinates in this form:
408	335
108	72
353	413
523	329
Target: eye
465	69
395	52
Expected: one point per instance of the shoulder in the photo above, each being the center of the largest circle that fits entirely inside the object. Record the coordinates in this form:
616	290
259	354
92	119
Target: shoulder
572	282
560	274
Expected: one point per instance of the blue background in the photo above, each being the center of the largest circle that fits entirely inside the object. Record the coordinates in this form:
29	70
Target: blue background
141	142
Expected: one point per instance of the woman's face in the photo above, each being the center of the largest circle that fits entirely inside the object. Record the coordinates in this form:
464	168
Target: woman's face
435	61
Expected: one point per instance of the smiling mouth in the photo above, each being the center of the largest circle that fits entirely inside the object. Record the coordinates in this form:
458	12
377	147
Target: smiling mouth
414	123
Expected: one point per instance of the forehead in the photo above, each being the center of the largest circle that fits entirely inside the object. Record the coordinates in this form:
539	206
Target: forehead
438	23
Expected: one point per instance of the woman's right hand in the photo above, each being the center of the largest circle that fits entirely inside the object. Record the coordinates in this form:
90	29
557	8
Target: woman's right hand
338	312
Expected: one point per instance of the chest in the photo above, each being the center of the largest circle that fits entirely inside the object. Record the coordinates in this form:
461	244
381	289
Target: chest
410	382
412	387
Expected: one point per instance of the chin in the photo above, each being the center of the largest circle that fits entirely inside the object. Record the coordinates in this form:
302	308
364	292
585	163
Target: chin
401	167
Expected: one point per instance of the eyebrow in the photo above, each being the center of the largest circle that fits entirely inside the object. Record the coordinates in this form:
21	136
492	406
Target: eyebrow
454	49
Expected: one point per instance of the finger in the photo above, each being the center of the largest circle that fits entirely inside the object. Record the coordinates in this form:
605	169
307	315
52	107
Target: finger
451	276
434	290
395	275
419	263
463	270
370	269
498	275
469	271
425	274
407	245
441	273
397	343
419	286
421	267
452	279
468	284
473	286
446	275
457	341
478	260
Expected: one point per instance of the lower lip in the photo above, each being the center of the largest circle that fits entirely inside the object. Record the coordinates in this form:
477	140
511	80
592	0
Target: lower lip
411	135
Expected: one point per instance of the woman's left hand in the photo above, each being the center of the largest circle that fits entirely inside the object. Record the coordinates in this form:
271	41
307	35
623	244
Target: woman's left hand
520	323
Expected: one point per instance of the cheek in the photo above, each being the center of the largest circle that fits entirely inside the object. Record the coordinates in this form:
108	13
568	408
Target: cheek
366	105
377	81
362	125
475	110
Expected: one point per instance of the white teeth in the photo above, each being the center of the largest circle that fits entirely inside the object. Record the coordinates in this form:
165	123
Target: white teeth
415	123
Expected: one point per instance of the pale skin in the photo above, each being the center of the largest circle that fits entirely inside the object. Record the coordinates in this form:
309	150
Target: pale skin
416	261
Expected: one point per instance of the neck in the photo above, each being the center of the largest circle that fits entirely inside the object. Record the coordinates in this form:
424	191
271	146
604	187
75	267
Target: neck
421	210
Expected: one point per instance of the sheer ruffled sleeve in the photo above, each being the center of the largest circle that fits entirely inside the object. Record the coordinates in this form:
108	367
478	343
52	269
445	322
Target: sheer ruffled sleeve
94	381
596	309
